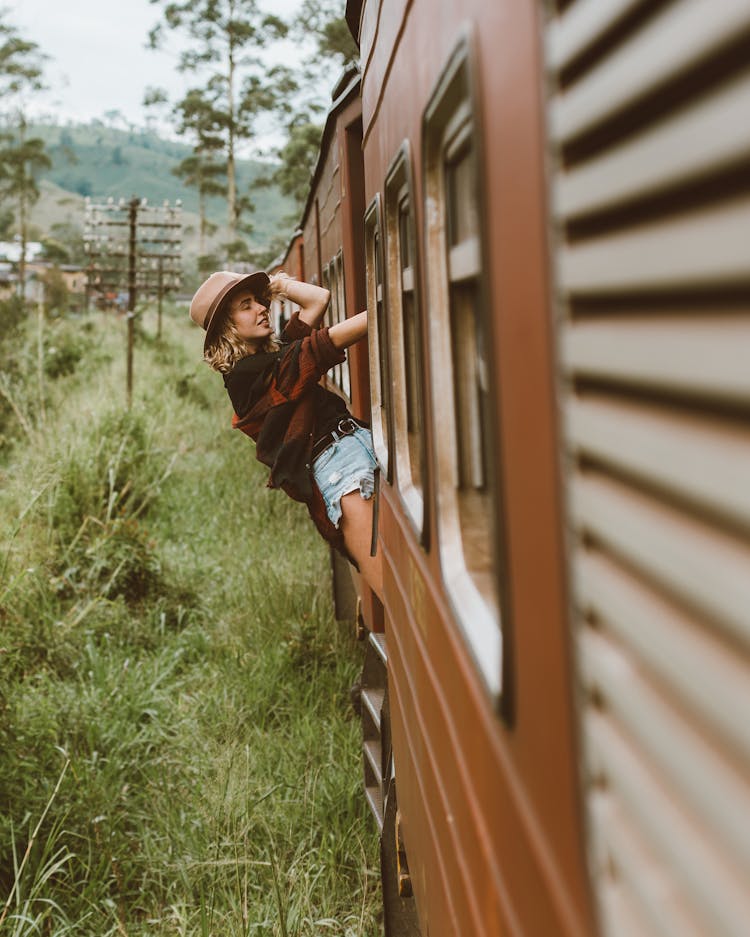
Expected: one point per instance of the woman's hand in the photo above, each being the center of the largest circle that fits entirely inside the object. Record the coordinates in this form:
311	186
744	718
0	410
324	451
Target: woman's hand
312	300
277	286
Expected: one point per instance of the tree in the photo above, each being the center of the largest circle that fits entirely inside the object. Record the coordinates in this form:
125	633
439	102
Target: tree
70	236
7	222
324	21
56	292
20	62
21	157
55	251
198	116
226	36
297	160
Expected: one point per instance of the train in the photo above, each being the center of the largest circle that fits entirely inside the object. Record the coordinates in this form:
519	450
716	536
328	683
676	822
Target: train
545	209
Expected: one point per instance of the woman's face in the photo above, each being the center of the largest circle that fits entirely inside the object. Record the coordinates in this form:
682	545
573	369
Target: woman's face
250	318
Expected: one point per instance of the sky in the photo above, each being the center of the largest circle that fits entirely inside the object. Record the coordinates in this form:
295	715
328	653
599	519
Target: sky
98	60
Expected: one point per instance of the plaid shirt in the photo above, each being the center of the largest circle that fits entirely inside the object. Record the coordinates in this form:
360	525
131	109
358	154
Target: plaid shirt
282	417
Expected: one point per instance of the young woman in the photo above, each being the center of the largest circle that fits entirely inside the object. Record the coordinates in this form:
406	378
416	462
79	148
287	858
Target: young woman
317	452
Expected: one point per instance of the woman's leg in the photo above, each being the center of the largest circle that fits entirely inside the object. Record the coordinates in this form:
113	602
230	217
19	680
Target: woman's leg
356	526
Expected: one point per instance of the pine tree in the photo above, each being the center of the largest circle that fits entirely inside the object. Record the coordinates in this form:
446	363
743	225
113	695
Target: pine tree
301	108
198	117
225	38
324	21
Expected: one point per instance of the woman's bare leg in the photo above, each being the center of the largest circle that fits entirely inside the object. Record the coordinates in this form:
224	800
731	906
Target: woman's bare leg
356	526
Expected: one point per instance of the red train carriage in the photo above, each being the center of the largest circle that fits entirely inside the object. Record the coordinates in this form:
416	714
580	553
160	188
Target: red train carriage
503	142
464	423
545	211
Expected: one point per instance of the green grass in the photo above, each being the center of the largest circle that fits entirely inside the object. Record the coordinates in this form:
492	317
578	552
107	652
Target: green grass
177	751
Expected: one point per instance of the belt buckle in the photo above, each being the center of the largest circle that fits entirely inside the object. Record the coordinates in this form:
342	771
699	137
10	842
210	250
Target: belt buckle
347	426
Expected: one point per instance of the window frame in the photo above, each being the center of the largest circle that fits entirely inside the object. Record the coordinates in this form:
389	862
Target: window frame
344	375
399	187
333	313
452	112
378	345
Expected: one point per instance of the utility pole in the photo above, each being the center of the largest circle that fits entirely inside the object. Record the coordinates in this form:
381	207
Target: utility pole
160	295
135	246
132	243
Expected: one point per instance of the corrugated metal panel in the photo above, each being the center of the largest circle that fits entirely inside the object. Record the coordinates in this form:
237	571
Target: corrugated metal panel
678	37
650	199
704	248
701	356
687	145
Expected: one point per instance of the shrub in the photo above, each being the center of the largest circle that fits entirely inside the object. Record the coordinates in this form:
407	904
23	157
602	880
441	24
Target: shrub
112	472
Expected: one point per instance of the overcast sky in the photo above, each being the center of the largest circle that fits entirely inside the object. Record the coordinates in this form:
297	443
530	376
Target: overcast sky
97	56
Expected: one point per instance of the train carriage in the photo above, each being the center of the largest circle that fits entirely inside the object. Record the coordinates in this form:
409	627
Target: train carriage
544	208
464	424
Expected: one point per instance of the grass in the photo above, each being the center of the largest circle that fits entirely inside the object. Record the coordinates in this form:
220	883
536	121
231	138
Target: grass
177	751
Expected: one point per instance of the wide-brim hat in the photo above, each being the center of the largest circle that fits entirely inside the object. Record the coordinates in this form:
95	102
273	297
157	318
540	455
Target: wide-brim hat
210	303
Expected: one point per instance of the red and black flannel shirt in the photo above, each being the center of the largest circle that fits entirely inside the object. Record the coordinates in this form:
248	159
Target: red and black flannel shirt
282	417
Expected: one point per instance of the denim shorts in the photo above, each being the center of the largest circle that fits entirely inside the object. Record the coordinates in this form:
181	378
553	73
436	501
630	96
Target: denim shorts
346	465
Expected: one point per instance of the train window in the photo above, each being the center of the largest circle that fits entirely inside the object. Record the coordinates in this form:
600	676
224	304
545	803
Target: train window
378	339
405	335
468	483
334	313
344	376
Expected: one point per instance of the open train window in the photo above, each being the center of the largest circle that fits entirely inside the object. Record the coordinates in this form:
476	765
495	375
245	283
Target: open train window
344	380
406	337
378	339
334	313
468	485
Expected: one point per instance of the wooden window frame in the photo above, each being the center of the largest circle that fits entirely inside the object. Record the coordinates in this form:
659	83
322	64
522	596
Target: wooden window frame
451	112
334	313
345	382
378	344
399	187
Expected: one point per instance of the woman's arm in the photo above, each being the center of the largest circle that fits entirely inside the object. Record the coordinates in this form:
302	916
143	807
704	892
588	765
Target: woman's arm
346	333
312	300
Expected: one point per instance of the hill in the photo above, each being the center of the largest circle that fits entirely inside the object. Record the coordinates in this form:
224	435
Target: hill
101	161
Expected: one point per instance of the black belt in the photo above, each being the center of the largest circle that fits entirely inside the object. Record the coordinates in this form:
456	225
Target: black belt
345	427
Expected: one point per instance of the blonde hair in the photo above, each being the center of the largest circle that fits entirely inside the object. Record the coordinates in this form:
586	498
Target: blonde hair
227	348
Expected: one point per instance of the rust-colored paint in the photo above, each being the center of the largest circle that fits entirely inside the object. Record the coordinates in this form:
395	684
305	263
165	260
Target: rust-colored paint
491	814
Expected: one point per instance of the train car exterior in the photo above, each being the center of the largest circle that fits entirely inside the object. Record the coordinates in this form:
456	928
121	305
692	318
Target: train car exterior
464	421
555	229
648	110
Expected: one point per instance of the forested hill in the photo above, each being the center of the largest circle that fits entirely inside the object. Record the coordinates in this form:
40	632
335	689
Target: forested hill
99	160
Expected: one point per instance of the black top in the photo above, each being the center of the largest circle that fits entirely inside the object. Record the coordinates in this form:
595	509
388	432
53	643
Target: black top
248	379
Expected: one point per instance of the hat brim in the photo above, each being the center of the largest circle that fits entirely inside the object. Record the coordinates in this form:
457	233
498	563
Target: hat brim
254	282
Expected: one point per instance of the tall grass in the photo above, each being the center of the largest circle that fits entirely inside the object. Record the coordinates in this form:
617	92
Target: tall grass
166	633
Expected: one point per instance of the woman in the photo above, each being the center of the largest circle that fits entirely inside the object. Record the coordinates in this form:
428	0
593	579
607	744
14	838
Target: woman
317	452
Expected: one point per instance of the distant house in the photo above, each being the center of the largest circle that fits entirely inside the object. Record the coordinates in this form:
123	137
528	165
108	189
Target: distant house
73	275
